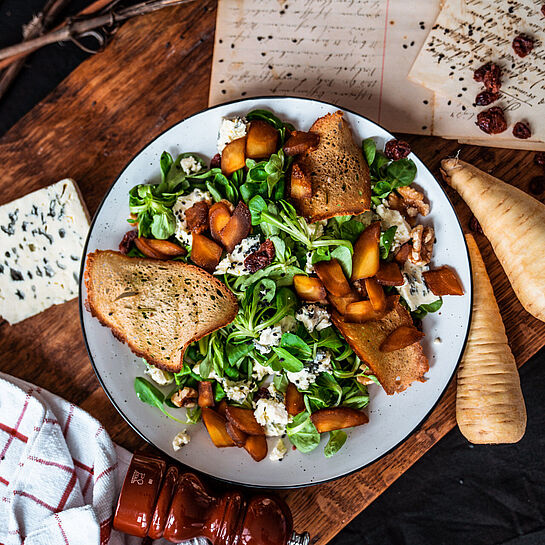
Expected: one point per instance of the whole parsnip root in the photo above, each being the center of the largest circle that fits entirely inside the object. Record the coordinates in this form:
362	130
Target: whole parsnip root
489	403
513	222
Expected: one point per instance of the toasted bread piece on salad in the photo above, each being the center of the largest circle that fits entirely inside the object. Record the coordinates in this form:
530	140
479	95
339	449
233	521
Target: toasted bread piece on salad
340	179
157	307
394	370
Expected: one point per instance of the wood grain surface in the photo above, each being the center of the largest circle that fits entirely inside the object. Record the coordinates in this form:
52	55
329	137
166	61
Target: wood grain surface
154	73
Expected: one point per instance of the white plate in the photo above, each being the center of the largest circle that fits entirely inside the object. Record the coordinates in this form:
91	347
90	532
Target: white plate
391	418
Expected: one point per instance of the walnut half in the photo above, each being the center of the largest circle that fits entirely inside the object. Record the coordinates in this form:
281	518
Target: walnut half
186	397
413	201
422	245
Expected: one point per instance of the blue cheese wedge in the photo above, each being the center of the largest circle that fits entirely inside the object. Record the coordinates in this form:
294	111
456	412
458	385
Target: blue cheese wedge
41	239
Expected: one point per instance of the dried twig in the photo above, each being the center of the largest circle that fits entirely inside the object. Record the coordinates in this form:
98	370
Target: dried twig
78	27
93	8
37	26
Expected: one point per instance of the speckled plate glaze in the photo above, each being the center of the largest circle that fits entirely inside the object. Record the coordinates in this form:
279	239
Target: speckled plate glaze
391	418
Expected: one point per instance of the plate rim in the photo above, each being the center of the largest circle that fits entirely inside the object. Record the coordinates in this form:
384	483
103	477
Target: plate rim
81	304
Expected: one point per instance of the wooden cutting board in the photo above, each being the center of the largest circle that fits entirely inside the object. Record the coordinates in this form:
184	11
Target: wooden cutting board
154	73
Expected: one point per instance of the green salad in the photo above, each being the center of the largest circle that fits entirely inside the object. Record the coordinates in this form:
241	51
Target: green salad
282	359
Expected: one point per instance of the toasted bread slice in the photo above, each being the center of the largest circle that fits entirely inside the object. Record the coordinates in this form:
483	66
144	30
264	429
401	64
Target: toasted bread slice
157	307
341	184
394	370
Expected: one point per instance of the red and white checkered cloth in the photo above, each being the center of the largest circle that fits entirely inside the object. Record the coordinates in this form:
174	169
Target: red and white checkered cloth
58	481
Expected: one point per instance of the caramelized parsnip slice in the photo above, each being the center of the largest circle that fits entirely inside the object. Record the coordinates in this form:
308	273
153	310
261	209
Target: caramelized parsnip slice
244	420
256	447
295	402
261	140
238	436
142	244
233	156
206	394
222	407
340	303
338	418
366	259
215	425
443	281
300	183
332	276
362	311
376	294
389	274
309	288
237	228
218	216
401	337
301	142
205	252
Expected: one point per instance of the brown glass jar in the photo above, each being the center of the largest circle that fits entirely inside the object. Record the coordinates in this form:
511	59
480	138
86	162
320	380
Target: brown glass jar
159	501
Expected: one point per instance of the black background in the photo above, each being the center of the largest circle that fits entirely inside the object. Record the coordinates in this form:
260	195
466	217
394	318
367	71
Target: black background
457	493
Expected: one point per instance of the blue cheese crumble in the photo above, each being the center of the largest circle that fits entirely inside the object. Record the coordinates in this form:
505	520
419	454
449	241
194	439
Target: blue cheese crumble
393	218
183	203
180	439
231	129
307	376
414	290
313	317
278	452
272	415
233	263
41	239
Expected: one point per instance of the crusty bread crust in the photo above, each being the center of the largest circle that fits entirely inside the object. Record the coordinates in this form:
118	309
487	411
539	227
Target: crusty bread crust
208	283
394	370
341	184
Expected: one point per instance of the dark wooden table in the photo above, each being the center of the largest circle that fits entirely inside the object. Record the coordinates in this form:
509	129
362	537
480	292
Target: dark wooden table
154	73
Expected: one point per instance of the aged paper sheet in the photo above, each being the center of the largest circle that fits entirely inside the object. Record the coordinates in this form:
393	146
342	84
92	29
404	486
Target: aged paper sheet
469	33
354	54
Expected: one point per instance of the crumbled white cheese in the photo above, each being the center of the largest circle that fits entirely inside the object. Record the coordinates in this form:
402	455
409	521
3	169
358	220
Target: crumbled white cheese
231	129
236	391
233	263
313	317
159	376
190	165
302	379
182	204
316	230
393	218
269	337
42	236
180	440
437	340
307	376
309	267
366	218
272	415
260	371
414	290
278	452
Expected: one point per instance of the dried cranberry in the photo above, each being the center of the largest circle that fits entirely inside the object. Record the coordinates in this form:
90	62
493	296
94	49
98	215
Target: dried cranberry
537	185
484	98
126	242
197	217
478	74
492	121
475	226
492	78
539	159
215	162
490	75
521	130
522	45
397	149
543	9
262	257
